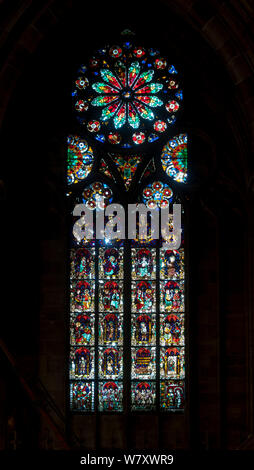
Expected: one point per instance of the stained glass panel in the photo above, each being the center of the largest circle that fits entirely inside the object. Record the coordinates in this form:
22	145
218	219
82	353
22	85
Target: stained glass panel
174	158
143	329
104	169
143	396
82	263
111	296
82	329
82	296
127	166
143	296
172	330
172	296
172	395
172	363
111	263
110	396
172	264
111	306
80	159
143	363
81	363
111	329
110	363
144	263
82	396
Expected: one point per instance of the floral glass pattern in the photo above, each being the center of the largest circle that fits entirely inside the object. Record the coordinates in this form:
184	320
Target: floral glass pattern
127	98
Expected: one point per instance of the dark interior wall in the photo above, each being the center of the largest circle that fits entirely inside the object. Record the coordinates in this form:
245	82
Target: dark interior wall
34	235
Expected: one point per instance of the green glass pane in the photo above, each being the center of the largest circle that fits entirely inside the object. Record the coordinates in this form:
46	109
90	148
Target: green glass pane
103	100
103	88
144	78
152	88
144	112
110	78
133	118
121	72
120	117
134	71
109	111
150	100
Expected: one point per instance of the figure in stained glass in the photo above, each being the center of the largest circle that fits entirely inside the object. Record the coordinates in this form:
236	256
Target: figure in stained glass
110	396
110	262
172	329
143	395
82	396
144	266
144	296
143	328
111	362
111	295
172	395
82	329
111	331
82	362
172	362
171	266
82	296
172	296
82	262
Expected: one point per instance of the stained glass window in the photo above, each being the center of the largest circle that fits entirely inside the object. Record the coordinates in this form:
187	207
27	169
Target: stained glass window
127	95
127	296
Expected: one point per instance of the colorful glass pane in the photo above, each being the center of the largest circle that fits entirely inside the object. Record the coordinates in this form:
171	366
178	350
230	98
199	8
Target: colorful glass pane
172	363
127	166
172	296
157	194
82	396
103	100
143	396
111	296
111	263
143	296
110	396
172	394
82	363
172	330
174	158
172	264
82	329
97	190
111	329
82	296
143	263
110	363
79	159
143	363
82	263
143	329
120	116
